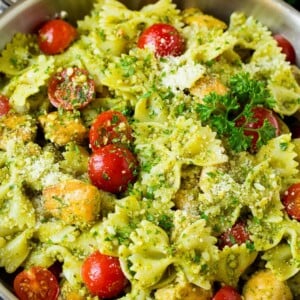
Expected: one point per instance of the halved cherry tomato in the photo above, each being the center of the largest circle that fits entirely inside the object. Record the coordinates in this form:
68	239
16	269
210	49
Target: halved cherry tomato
103	276
110	127
227	293
291	201
4	105
111	168
71	88
260	114
286	48
55	36
36	283
237	234
163	39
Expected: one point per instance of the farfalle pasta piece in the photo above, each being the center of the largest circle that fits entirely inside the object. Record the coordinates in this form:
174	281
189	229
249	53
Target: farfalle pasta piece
14	252
151	109
18	55
28	83
47	254
262	192
221	195
117	227
148	255
196	253
282	155
127	74
275	258
180	72
16	213
267	62
233	262
195	144
211	50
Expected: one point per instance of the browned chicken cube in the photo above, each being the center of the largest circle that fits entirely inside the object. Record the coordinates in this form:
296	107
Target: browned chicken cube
16	127
206	85
73	201
63	128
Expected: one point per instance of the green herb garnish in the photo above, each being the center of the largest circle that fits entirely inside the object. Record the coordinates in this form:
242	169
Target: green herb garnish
221	112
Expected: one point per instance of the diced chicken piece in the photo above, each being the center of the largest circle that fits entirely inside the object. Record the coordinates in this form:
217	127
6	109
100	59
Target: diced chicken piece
16	127
183	291
196	16
73	201
206	85
63	128
264	285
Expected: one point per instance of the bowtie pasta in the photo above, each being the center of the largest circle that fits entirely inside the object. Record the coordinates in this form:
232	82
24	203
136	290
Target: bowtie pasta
209	204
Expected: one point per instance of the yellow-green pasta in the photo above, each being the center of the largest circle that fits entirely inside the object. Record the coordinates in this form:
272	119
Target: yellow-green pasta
201	170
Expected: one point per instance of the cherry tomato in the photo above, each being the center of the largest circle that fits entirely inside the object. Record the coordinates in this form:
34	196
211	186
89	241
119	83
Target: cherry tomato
163	39
286	48
55	36
103	276
260	114
110	127
71	88
36	283
291	201
237	234
4	105
227	293
111	168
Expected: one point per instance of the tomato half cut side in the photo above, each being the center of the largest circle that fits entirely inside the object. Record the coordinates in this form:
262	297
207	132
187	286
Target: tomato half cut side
110	127
112	168
103	276
286	48
36	283
227	293
71	88
4	105
237	234
55	36
260	115
291	201
163	39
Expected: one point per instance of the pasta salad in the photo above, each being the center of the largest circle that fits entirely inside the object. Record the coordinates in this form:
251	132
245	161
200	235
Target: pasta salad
150	154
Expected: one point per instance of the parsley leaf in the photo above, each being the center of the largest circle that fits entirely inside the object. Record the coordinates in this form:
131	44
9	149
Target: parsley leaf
221	112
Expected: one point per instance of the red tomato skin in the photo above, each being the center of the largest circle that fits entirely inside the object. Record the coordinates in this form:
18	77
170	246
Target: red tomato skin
4	105
110	127
260	114
227	293
103	276
36	283
111	168
286	48
291	201
237	234
163	39
65	92
55	36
